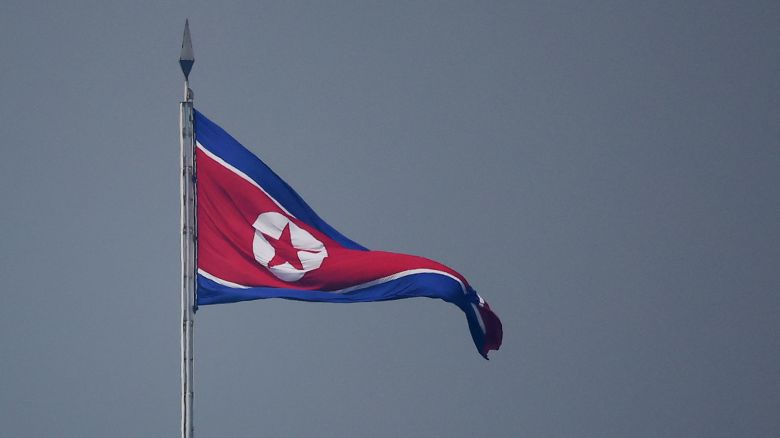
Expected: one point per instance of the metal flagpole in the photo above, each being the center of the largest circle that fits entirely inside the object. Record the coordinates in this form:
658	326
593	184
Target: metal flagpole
189	232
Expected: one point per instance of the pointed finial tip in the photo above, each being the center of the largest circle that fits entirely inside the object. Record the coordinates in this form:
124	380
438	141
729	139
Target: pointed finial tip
187	56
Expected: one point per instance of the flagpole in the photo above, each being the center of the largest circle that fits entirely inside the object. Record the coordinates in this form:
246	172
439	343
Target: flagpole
189	231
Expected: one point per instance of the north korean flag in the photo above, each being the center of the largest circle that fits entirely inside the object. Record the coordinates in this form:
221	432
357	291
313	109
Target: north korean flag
258	239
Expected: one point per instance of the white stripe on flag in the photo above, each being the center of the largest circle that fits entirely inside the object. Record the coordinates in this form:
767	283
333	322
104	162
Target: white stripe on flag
351	288
221	281
244	176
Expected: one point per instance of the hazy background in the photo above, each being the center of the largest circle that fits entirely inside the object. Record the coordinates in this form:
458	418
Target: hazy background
607	175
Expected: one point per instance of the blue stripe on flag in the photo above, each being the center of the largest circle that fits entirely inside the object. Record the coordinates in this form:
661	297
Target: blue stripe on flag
223	145
416	285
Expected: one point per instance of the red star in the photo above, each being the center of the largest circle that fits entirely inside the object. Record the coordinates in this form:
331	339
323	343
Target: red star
284	251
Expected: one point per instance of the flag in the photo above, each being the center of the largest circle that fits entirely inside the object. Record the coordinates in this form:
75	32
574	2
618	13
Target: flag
257	238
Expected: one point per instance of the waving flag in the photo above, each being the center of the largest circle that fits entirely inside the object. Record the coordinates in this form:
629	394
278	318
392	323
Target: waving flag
258	239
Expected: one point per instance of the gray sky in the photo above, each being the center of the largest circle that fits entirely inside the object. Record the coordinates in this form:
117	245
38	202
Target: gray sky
606	174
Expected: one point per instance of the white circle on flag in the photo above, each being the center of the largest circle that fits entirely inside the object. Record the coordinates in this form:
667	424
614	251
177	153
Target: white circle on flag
306	254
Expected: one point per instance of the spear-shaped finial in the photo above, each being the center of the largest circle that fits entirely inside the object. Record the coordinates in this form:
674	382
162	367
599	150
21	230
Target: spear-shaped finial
187	57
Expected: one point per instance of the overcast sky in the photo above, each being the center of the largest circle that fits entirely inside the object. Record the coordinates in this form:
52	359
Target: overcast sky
606	174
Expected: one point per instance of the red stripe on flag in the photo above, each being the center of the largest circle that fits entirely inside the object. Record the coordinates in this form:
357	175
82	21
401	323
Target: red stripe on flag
228	206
